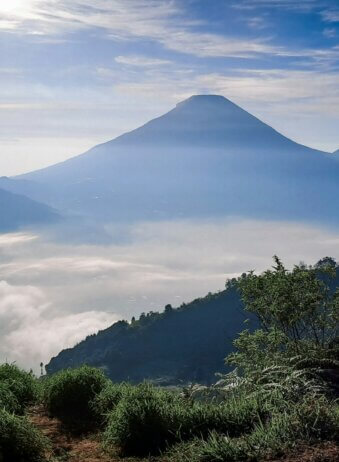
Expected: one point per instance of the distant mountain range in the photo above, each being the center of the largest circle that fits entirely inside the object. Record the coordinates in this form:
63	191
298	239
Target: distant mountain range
206	157
18	211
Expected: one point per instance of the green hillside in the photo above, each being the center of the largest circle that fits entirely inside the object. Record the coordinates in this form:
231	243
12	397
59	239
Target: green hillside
188	343
178	345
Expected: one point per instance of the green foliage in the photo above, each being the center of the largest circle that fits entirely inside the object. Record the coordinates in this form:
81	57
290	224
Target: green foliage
147	419
106	401
165	347
8	400
19	440
282	365
297	306
142	422
235	416
22	385
308	422
68	395
299	316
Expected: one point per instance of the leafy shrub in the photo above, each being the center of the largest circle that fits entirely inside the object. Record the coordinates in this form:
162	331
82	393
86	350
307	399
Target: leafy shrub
68	394
142	421
7	399
19	440
23	385
309	421
236	416
316	418
105	402
146	420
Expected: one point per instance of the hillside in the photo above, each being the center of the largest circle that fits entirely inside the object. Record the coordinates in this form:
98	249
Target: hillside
207	157
17	211
184	344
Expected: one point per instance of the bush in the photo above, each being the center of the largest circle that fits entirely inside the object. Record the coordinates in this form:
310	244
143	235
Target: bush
19	440
7	399
23	385
68	395
146	420
105	402
142	421
310	421
236	416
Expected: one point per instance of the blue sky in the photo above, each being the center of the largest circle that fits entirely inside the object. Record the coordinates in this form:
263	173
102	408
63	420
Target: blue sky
74	73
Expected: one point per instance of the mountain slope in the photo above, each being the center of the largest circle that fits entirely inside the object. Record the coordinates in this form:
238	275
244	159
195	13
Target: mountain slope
187	344
206	157
184	344
18	211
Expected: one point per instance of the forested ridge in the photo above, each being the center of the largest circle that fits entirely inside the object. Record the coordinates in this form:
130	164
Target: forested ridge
176	346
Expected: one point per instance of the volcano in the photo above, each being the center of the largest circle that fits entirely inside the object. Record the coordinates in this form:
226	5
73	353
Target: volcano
207	157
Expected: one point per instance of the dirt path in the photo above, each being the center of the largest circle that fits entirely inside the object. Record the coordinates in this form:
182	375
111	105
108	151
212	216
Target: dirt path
326	452
66	447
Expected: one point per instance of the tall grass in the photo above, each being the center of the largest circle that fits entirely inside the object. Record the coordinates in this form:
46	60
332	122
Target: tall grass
147	420
308	422
22	387
20	441
69	393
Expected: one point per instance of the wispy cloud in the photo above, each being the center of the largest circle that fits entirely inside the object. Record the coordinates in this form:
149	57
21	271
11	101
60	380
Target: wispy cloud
330	15
292	5
141	61
257	22
330	32
161	21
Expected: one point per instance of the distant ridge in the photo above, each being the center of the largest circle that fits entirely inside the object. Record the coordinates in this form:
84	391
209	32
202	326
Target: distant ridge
17	212
177	346
207	157
182	345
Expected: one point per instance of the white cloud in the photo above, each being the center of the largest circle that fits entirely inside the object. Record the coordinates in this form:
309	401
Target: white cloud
30	335
141	61
330	15
15	238
257	22
300	6
159	20
330	32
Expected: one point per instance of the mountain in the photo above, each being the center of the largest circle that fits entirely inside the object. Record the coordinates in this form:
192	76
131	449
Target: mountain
18	212
179	345
206	157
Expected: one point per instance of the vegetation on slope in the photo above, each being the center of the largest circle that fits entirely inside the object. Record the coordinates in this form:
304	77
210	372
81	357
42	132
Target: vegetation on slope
19	439
280	396
182	345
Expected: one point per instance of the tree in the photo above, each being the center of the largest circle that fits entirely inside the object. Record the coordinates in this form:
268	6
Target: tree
297	311
326	262
168	309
